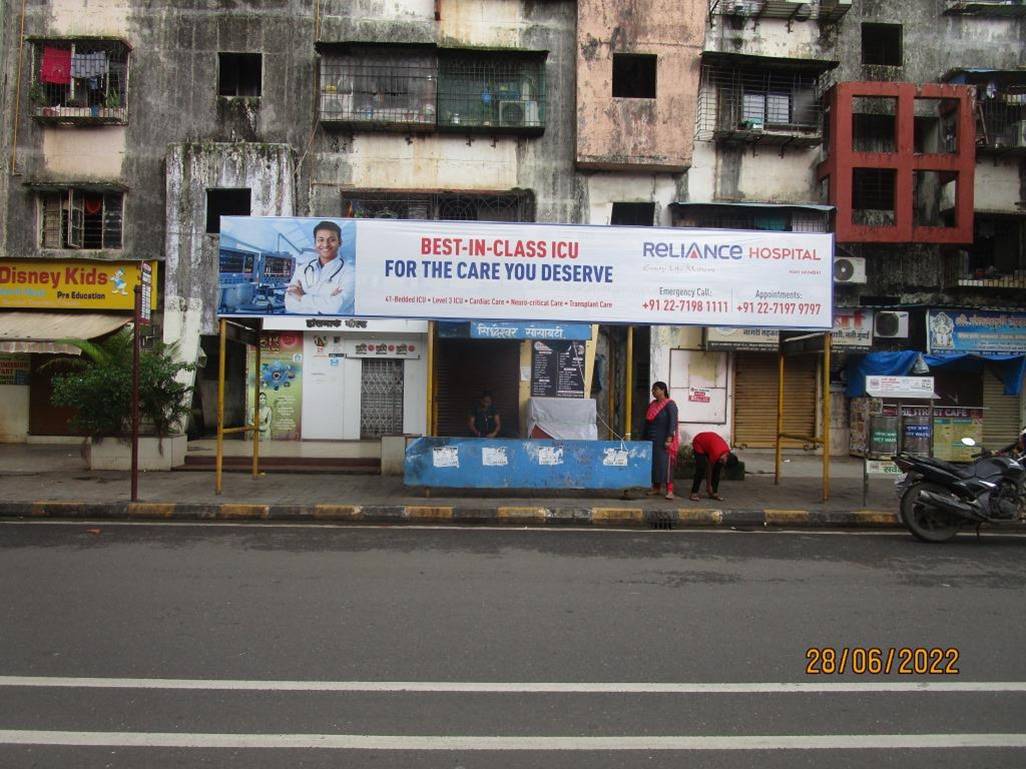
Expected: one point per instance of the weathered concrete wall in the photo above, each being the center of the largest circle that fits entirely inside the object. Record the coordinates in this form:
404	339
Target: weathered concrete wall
997	186
606	189
14	413
638	133
190	289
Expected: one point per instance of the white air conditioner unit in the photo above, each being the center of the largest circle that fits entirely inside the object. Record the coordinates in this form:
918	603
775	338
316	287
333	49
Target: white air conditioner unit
849	269
518	113
888	324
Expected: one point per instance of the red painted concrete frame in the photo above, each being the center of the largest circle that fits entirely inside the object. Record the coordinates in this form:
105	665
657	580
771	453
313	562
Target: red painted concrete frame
842	159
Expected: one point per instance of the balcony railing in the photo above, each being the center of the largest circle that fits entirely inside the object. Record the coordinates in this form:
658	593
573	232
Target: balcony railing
987	7
1002	121
824	11
478	93
772	106
958	273
79	81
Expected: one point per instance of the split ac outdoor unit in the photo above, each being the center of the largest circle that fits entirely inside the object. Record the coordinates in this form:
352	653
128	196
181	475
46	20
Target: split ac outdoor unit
888	324
849	269
518	113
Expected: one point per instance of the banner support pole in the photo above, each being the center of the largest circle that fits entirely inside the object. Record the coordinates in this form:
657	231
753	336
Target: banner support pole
219	458
629	399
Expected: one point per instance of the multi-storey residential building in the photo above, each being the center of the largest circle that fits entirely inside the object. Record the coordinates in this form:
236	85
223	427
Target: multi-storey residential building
134	126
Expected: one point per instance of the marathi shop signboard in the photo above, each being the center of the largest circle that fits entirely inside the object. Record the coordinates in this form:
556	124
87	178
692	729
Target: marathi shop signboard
962	331
501	271
70	285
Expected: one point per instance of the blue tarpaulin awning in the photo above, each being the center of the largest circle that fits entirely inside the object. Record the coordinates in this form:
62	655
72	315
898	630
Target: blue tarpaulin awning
1010	368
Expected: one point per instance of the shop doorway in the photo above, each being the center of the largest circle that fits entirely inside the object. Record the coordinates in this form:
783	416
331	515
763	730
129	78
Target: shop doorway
466	368
381	398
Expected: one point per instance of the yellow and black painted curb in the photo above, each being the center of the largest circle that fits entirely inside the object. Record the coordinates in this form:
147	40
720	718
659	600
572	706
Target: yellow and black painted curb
623	516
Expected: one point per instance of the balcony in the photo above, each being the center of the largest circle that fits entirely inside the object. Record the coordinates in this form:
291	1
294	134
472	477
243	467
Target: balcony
996	259
739	11
1007	8
79	81
457	91
742	102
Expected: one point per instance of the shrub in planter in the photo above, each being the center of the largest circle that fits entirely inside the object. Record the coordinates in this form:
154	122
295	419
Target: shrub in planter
99	386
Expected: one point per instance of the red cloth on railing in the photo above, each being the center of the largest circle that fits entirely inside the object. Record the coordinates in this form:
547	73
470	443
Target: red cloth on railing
56	67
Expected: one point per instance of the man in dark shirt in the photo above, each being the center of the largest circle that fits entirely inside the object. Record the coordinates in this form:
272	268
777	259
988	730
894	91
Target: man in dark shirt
484	421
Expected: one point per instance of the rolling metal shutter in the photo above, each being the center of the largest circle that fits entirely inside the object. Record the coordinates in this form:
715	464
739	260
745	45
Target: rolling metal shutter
755	399
1002	414
465	368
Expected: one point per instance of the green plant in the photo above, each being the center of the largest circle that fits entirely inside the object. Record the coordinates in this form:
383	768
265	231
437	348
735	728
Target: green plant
36	94
99	386
112	100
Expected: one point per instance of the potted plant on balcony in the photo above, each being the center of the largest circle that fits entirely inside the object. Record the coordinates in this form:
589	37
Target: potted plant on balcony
99	386
112	104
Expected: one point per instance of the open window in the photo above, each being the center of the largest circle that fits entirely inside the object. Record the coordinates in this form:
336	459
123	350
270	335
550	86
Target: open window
81	219
239	74
227	201
634	76
79	80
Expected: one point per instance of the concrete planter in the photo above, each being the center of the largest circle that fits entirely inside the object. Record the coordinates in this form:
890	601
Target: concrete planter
154	453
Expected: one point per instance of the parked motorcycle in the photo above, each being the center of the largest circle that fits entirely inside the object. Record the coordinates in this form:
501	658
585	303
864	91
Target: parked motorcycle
939	498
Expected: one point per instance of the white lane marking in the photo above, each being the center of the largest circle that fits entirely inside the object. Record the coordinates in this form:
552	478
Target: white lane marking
419	742
513	687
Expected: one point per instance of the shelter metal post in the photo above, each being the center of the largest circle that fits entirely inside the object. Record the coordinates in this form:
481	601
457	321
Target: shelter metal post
222	351
780	414
629	384
430	415
826	416
256	411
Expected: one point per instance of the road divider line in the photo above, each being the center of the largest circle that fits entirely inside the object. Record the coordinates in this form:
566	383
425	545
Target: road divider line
470	743
552	687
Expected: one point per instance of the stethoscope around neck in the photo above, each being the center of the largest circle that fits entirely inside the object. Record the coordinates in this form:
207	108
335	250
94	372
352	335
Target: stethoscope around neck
310	274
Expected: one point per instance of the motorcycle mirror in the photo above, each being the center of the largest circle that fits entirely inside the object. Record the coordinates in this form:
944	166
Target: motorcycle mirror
967	441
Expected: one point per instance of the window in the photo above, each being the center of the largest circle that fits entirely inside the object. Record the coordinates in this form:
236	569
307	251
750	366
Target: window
637	214
881	44
80	81
509	207
81	219
634	76
226	202
239	74
873	195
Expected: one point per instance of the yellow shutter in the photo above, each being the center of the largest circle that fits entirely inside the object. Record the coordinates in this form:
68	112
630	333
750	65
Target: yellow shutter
1001	417
755	399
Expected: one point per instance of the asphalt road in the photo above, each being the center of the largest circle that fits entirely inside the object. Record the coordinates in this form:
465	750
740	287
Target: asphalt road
316	646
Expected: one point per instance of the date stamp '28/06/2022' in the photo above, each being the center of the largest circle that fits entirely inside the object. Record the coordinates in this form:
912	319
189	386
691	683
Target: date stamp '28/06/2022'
877	660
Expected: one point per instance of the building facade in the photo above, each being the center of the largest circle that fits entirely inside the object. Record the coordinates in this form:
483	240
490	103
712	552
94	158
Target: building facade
134	126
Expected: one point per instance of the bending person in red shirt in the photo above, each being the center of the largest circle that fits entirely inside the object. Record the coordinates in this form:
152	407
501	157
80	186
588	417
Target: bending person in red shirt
711	454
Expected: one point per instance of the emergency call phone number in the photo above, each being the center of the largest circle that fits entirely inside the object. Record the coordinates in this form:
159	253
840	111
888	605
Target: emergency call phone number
721	305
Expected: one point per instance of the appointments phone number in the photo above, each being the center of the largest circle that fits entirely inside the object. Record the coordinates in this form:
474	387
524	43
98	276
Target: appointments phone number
722	305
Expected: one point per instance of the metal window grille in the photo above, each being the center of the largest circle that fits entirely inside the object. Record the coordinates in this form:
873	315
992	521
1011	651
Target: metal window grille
1001	120
79	219
491	91
505	207
80	81
752	218
996	259
873	196
749	104
396	89
789	10
381	393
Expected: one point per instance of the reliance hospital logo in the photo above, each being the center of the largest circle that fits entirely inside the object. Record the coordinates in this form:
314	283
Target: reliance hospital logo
693	249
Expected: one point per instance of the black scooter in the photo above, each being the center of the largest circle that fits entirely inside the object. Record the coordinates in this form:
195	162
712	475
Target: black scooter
939	498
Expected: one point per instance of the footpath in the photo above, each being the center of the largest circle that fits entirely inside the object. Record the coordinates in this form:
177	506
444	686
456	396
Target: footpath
51	481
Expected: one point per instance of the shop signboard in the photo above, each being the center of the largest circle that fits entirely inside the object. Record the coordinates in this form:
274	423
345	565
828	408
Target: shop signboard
967	331
382	348
480	329
506	271
557	369
898	387
14	369
853	330
950	426
279	410
725	338
71	284
343	325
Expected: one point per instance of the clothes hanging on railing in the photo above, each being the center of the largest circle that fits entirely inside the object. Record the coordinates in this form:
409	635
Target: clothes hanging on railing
56	66
89	64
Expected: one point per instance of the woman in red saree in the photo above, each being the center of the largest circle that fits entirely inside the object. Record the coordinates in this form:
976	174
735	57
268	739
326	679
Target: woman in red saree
661	429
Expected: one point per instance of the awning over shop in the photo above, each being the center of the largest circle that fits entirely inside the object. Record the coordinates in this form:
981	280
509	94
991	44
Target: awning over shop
1010	368
40	331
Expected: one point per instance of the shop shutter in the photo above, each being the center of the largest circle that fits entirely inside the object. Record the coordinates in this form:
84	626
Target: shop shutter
1001	417
755	399
465	368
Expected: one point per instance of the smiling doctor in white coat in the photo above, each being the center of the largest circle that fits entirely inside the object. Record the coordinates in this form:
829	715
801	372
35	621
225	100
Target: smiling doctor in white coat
322	285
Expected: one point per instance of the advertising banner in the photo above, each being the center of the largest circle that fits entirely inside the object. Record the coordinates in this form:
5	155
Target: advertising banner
14	369
279	410
70	285
500	271
962	331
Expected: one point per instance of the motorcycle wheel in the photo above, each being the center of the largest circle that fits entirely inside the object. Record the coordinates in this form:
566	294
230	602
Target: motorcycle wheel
926	523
